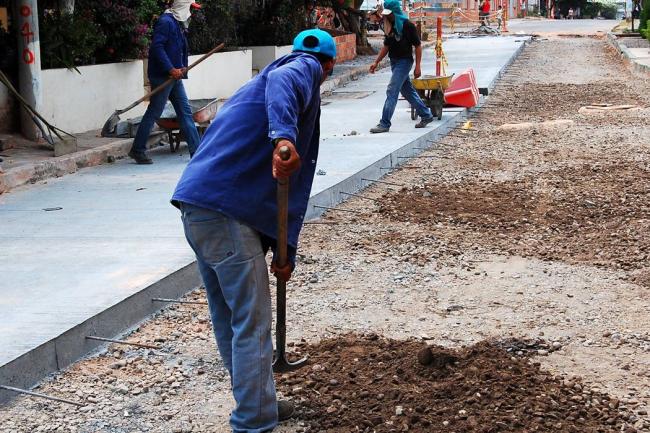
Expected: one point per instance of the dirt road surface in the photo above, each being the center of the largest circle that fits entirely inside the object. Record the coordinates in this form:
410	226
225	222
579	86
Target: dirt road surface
520	256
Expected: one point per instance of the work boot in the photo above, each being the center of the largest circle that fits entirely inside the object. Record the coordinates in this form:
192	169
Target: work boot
378	129
140	158
424	122
285	410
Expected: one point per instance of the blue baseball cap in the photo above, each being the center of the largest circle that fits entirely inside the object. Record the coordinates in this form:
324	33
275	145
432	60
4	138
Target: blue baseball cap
315	41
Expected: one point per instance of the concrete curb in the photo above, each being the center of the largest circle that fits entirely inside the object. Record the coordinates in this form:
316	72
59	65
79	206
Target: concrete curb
62	165
623	51
60	352
67	164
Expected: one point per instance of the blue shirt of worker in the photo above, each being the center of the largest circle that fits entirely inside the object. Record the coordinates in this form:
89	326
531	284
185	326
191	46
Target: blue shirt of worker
231	172
168	48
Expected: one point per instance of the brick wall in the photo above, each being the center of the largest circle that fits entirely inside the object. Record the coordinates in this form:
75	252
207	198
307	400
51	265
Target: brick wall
346	47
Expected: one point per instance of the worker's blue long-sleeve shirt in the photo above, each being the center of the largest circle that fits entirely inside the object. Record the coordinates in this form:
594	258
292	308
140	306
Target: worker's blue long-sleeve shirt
168	48
231	172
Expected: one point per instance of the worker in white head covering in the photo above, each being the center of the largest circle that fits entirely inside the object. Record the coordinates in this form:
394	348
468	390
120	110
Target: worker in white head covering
168	57
181	9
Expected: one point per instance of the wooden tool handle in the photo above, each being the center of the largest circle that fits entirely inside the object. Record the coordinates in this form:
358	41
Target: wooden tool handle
171	80
285	153
283	212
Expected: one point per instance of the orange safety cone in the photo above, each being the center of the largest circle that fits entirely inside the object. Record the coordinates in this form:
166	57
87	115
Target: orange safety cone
463	91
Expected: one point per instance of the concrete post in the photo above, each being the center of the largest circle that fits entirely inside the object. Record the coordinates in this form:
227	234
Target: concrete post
29	63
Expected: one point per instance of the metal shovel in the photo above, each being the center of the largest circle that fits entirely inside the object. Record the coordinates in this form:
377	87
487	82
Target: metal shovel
280	363
110	127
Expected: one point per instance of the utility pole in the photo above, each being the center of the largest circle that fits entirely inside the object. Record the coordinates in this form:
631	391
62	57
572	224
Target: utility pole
29	63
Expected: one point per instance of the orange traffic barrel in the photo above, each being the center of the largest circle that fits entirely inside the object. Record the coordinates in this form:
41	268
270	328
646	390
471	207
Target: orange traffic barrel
463	91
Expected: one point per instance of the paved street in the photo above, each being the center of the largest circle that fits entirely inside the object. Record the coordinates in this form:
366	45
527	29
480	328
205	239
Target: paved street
560	27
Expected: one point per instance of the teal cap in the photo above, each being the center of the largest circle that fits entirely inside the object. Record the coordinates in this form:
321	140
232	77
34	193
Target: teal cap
315	41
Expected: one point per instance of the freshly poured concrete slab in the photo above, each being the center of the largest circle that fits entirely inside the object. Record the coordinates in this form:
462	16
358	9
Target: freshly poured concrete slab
75	246
343	154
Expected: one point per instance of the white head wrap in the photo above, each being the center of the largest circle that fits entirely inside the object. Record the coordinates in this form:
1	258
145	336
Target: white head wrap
180	9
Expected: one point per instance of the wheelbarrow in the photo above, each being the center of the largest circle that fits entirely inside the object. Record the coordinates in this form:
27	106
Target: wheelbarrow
203	111
432	91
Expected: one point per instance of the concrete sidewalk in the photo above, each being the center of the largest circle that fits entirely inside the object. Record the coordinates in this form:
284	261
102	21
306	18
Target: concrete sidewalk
634	50
28	162
85	253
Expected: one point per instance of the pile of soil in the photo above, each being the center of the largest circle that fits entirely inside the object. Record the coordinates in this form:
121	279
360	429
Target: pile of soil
372	384
594	214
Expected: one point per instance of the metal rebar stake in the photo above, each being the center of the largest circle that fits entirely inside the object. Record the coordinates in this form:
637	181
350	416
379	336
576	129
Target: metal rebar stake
177	301
382	181
337	209
359	195
39	395
112	340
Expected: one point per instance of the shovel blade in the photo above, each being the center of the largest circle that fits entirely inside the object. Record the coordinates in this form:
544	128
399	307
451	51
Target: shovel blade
110	127
282	365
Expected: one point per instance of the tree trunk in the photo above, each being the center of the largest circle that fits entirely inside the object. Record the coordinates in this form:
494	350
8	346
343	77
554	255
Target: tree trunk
353	21
66	6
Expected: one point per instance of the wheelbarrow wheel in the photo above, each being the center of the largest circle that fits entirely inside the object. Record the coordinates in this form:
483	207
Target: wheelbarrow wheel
178	142
437	102
171	142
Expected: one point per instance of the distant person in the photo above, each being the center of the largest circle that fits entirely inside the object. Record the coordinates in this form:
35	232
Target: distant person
499	16
168	57
484	12
312	14
401	37
570	14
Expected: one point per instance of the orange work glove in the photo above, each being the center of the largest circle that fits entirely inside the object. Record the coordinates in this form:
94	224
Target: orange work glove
281	168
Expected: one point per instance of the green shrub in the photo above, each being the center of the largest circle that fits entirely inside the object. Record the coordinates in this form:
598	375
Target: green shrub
8	56
277	24
644	18
608	11
590	10
645	32
69	40
212	24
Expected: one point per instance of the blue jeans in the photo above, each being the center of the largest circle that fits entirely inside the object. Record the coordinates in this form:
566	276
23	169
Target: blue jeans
401	82
175	92
232	265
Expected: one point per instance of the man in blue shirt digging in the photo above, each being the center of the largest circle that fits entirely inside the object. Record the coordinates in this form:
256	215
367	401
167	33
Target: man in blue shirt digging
227	198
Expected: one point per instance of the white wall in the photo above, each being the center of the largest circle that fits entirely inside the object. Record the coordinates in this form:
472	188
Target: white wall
220	75
79	103
264	55
82	102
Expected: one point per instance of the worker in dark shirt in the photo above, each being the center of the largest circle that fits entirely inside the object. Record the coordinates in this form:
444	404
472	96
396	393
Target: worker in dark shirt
401	37
168	57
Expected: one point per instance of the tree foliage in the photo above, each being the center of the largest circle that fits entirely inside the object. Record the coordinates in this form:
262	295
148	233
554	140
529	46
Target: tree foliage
69	40
644	20
212	24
